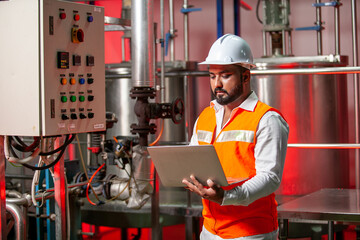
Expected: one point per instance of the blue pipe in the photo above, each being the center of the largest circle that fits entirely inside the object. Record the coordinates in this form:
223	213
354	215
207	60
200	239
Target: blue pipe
236	17
220	18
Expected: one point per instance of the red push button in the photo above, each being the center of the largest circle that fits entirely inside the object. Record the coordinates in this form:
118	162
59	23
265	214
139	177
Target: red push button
62	15
76	17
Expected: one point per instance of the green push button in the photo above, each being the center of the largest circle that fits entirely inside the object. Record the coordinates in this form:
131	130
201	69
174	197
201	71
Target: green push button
63	99
81	98
73	98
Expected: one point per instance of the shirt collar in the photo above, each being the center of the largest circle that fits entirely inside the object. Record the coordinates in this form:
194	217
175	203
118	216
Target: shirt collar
249	104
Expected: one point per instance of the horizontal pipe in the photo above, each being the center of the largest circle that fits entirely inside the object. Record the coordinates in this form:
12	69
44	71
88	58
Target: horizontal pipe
325	145
117	21
329	70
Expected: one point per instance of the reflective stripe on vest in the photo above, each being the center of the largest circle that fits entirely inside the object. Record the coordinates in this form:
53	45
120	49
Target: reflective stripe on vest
236	135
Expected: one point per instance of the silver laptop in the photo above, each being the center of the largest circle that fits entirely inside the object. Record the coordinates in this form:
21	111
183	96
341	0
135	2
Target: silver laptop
174	163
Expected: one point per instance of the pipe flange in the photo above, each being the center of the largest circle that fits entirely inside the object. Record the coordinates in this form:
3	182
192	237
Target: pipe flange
143	129
142	92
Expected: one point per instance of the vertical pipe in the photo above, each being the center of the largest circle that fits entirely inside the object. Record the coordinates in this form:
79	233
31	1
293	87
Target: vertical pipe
319	33
122	49
172	30
283	33
162	67
285	16
20	223
3	225
186	32
60	198
356	91
237	18
264	44
337	30
88	145
220	18
289	44
142	41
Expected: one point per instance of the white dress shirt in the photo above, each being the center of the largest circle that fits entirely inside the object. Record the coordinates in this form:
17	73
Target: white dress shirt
270	151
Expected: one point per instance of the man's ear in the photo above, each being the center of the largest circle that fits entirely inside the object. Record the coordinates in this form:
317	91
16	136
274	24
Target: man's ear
246	76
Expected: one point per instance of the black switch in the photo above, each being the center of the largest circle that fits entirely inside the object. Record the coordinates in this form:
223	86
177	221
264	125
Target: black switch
90	80
90	115
73	116
64	117
90	61
82	116
90	98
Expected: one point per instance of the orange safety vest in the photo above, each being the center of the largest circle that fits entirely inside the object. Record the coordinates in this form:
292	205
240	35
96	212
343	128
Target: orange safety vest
235	147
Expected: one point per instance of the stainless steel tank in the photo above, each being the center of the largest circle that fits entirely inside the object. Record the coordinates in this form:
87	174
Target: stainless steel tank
315	107
118	101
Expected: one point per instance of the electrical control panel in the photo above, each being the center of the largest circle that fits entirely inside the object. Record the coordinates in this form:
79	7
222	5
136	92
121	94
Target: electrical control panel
52	71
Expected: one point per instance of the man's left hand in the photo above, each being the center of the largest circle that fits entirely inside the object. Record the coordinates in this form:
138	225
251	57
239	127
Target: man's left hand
213	193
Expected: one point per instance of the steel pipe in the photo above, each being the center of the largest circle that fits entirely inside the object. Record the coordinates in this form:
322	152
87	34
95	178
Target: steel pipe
356	91
186	32
337	28
325	145
319	33
162	63
329	70
333	70
142	41
171	30
20	223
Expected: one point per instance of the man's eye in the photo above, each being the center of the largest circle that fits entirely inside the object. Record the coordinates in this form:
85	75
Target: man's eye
212	76
225	76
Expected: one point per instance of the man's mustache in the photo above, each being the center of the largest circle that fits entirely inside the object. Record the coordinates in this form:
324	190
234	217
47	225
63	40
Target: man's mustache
220	90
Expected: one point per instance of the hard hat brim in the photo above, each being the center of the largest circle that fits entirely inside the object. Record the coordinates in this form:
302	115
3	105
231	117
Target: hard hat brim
243	64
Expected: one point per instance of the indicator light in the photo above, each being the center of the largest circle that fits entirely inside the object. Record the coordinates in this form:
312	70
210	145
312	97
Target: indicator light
81	80
81	98
72	98
63	81
90	18
63	99
72	81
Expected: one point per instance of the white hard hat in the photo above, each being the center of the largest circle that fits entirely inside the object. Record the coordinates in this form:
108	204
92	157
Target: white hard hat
230	49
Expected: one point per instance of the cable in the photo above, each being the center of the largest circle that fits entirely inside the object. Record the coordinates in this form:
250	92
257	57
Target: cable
65	144
158	137
15	159
257	12
21	146
89	184
84	167
48	166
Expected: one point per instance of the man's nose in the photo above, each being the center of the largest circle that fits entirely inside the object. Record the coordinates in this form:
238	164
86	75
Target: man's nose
218	82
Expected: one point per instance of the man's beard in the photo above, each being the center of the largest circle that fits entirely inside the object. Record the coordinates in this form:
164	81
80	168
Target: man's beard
227	97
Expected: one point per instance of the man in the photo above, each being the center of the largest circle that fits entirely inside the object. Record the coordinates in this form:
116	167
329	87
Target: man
250	139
